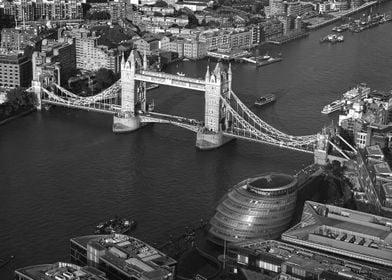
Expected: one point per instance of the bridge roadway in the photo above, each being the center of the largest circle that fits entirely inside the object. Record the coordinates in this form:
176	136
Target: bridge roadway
170	79
153	117
232	133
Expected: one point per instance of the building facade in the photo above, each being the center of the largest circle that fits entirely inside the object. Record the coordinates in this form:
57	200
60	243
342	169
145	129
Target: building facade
15	70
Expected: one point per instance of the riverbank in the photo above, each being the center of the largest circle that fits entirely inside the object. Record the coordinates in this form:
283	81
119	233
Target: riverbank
21	114
316	23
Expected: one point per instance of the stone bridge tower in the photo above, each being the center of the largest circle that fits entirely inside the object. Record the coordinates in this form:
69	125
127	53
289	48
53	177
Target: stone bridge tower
216	87
126	119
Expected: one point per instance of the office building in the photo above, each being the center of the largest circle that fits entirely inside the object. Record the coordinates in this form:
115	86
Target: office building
15	69
59	271
343	232
122	257
259	207
92	56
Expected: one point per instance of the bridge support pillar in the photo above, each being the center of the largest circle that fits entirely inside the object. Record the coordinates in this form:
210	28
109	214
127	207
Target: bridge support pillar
208	140
36	87
126	123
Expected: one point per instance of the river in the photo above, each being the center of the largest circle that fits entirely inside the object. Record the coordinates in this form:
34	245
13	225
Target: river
63	171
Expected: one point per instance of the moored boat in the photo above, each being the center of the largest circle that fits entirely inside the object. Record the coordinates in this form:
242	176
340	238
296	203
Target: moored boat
115	225
181	74
263	100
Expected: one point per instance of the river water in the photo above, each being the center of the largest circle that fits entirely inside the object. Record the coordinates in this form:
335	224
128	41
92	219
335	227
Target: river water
63	171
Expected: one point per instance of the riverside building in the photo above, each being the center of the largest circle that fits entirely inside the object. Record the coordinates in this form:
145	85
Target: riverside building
59	271
122	257
259	207
281	260
15	69
357	235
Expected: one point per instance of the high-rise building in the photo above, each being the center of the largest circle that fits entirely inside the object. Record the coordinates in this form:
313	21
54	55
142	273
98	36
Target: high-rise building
15	70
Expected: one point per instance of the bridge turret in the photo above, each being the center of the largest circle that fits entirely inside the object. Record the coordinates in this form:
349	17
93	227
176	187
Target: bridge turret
208	73
321	148
145	61
122	60
128	85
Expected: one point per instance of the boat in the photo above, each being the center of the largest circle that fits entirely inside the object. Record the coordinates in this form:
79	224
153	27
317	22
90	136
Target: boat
332	38
152	86
333	106
266	59
151	106
181	74
115	225
263	100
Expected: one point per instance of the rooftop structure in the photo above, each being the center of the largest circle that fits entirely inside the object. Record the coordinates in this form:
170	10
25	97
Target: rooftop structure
259	207
59	271
279	258
122	256
343	232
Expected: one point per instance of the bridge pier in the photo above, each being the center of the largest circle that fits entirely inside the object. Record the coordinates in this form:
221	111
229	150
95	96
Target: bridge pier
127	123
208	140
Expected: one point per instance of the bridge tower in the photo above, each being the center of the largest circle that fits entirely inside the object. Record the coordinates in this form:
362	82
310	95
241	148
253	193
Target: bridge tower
211	135
321	148
127	120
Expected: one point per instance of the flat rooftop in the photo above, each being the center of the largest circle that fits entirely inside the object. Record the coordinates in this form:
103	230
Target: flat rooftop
61	270
128	254
374	151
387	187
382	168
311	260
345	232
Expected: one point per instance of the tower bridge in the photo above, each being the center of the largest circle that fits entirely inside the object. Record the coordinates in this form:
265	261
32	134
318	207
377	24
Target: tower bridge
225	116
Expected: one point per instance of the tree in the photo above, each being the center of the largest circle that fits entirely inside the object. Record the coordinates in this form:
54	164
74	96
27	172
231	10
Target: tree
160	4
101	15
104	78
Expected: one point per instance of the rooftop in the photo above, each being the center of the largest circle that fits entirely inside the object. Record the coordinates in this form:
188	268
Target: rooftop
309	259
387	189
382	168
128	254
271	181
374	151
343	231
61	271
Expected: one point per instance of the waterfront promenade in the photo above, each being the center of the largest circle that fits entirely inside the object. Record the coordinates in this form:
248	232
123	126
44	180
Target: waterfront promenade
318	22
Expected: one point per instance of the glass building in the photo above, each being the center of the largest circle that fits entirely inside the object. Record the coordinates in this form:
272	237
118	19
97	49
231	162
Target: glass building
259	207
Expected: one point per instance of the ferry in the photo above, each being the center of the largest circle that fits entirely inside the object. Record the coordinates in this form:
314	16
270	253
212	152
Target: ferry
115	225
265	99
333	106
181	74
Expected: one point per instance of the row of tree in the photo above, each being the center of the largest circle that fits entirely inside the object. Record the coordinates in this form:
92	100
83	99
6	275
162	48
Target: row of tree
18	100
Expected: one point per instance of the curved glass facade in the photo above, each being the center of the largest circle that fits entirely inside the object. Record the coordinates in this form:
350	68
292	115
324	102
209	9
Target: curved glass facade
259	207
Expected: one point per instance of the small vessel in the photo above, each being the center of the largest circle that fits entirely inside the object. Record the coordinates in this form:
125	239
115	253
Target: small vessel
333	106
181	74
152	86
332	38
265	99
151	106
115	225
267	59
